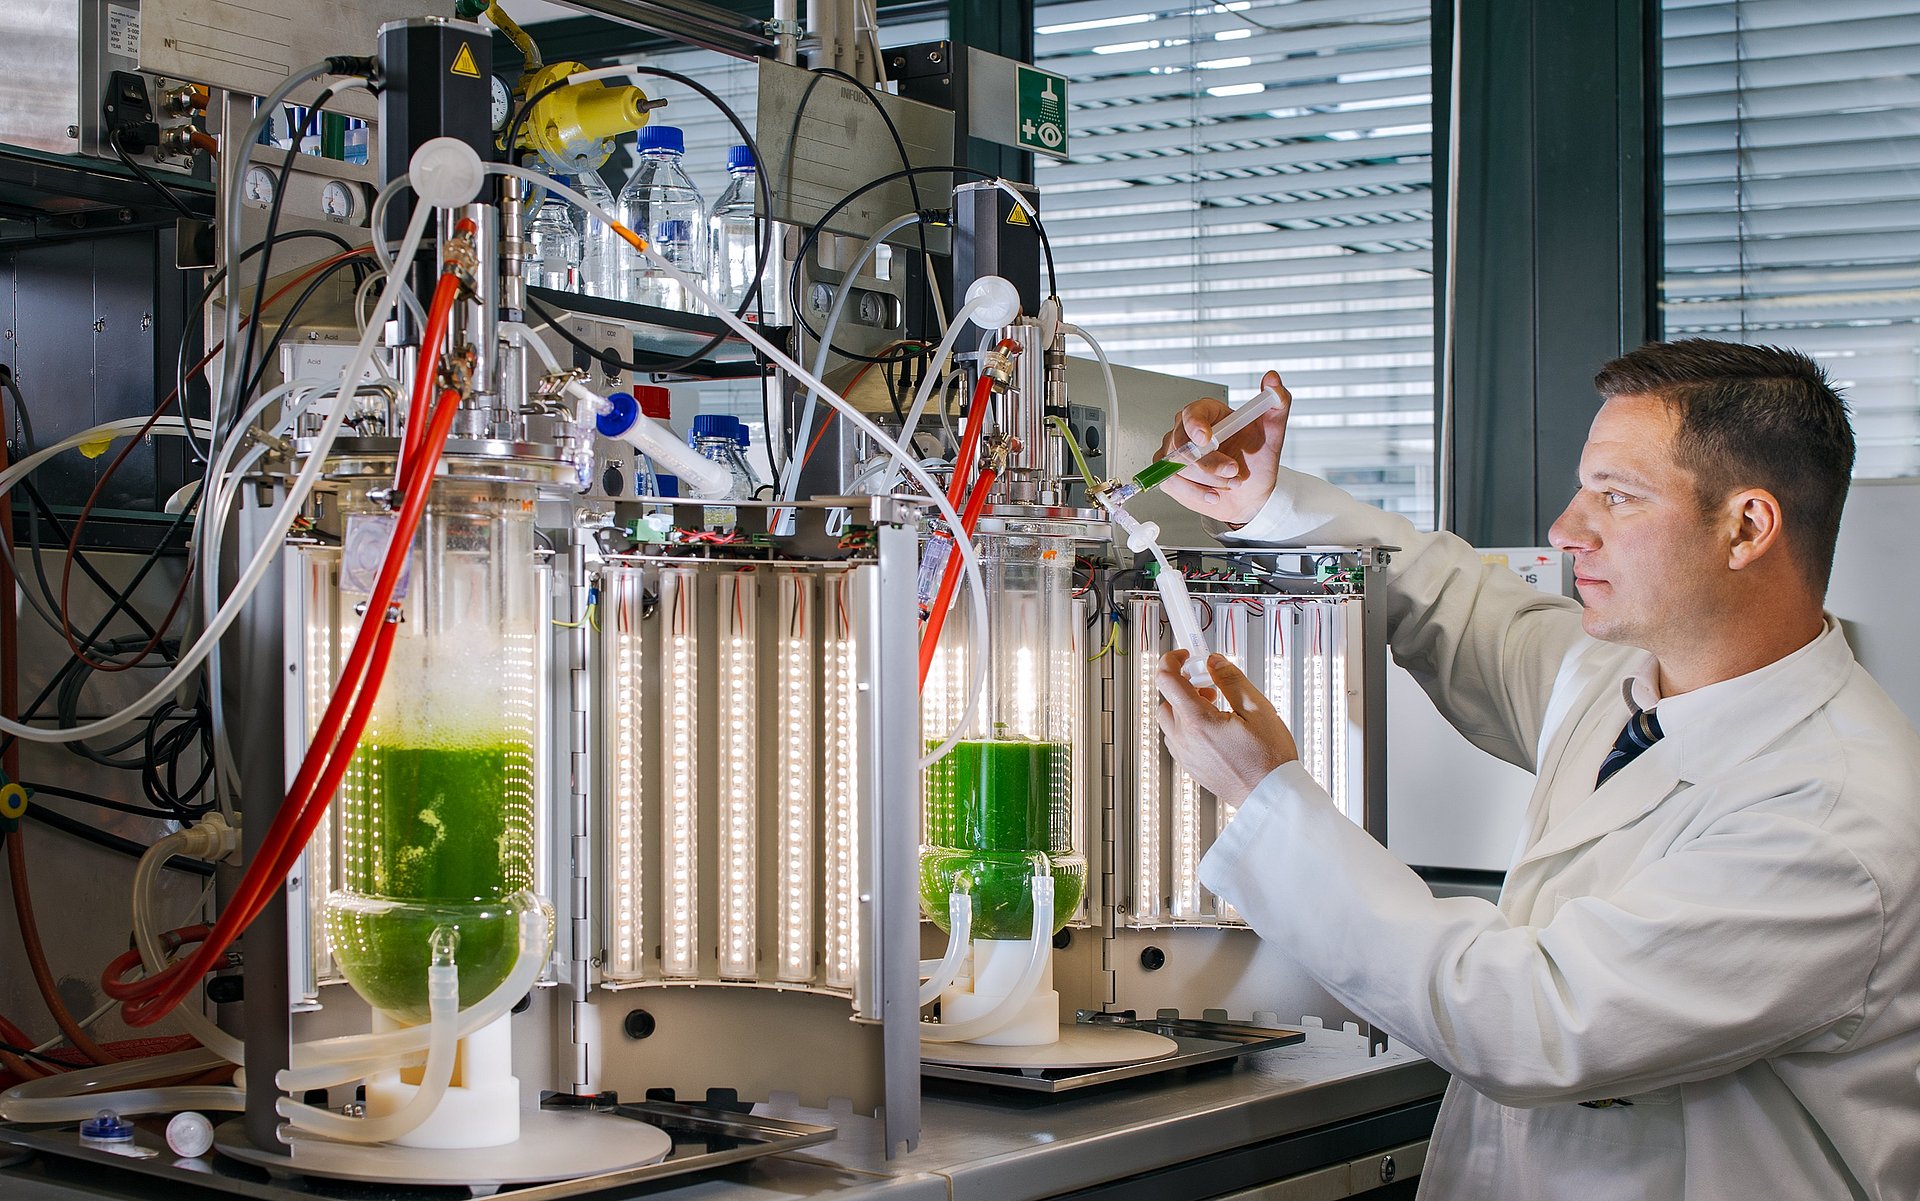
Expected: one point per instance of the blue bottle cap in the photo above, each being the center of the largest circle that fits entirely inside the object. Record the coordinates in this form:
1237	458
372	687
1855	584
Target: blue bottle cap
740	158
716	425
661	137
666	485
620	418
744	432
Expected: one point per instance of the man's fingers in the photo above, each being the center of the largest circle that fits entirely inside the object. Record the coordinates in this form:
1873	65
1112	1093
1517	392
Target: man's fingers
1190	493
1178	692
1239	691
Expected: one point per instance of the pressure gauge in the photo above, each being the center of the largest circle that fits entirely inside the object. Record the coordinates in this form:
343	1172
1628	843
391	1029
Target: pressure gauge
338	203
502	105
256	189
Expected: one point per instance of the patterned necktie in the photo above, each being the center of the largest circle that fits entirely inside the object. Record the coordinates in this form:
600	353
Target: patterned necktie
1641	731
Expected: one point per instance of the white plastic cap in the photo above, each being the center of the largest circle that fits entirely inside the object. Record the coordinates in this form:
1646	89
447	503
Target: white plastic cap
998	299
446	173
189	1135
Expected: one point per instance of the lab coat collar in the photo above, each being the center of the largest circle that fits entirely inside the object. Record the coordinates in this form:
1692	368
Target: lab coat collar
1707	732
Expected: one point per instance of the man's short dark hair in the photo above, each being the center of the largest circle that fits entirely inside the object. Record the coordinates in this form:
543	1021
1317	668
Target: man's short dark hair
1753	417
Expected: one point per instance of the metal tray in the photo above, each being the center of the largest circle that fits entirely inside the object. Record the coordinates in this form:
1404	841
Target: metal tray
1199	1042
703	1139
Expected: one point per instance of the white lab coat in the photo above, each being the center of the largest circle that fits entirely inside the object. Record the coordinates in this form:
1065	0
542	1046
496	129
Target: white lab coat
1726	934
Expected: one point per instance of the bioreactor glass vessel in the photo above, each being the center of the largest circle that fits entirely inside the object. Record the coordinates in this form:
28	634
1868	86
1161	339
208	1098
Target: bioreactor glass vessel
437	808
1004	795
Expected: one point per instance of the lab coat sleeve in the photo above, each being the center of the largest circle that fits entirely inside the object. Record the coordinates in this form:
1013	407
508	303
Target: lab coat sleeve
1486	647
1756	936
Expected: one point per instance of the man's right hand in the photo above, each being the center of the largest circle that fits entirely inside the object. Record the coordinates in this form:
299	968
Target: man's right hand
1233	482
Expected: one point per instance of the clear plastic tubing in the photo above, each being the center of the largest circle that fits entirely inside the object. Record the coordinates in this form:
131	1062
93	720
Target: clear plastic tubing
437	806
1002	800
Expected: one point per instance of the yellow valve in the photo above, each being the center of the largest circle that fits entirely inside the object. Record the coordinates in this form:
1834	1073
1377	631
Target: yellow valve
574	129
13	802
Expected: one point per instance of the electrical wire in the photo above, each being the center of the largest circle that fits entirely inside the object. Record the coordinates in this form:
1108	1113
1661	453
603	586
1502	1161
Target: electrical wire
147	177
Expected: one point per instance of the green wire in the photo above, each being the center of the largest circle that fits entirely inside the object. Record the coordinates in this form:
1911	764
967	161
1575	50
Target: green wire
1079	460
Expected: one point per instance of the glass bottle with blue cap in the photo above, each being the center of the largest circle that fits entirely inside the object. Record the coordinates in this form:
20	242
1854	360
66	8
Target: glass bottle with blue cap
661	204
724	439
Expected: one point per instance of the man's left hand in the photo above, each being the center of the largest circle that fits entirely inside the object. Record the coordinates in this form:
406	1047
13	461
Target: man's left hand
1227	752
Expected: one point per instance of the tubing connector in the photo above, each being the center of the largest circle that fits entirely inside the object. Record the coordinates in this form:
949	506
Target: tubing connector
1000	364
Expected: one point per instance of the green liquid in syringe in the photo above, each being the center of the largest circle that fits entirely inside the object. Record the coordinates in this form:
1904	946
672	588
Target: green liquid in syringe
1158	472
990	805
432	835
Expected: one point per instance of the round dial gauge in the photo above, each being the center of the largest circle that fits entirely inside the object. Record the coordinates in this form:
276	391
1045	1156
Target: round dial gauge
502	105
338	203
256	188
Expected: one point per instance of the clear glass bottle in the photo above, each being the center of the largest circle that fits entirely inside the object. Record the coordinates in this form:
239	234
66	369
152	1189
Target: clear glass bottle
733	234
724	440
600	247
661	205
1003	797
437	806
553	246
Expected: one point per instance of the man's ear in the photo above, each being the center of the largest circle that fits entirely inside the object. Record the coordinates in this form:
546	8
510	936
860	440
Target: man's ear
1756	525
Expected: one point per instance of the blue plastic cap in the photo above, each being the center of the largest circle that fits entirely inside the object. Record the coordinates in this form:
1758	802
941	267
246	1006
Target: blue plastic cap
107	1127
620	418
744	431
666	485
740	158
717	425
661	137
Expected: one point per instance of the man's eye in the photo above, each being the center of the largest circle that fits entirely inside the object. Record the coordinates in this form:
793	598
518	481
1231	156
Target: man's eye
1614	498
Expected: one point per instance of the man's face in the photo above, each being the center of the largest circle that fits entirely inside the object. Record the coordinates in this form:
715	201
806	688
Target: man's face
1650	566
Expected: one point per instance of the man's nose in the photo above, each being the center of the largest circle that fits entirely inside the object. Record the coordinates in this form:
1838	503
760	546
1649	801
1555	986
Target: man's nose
1571	531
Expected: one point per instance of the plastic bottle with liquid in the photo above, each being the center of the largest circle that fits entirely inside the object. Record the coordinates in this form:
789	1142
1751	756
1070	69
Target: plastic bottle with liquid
724	440
733	233
554	246
600	247
661	205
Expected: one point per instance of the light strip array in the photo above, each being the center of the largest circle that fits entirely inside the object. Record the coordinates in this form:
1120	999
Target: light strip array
1146	760
321	601
795	787
622	608
738	834
1336	728
680	713
840	722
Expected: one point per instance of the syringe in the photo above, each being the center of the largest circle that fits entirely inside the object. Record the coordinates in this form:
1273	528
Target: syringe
1184	456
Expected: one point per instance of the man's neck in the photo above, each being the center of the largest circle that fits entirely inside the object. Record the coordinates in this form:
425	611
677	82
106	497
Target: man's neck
1715	660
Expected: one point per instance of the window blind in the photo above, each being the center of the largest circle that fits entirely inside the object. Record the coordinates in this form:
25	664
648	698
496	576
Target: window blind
1250	187
1792	179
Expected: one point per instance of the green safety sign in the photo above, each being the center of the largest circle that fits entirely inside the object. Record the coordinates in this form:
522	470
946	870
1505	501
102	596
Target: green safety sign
1043	111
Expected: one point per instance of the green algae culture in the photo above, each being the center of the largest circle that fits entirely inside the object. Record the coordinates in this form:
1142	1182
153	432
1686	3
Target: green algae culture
990	805
433	835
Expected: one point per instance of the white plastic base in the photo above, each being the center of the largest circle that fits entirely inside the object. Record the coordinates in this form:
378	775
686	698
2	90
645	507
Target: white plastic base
997	965
482	1106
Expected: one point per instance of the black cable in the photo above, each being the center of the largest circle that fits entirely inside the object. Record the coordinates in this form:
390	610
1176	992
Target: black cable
147	177
906	160
198	307
244	361
99	802
112	842
279	334
819	227
764	218
30	1053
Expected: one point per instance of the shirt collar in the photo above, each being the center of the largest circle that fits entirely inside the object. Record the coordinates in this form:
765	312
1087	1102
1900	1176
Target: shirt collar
1818	668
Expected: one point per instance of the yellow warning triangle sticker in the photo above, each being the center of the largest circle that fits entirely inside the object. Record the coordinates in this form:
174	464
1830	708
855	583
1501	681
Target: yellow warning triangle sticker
1018	217
463	63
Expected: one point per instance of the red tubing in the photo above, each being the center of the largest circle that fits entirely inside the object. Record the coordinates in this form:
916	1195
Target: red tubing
970	440
328	755
950	579
439	316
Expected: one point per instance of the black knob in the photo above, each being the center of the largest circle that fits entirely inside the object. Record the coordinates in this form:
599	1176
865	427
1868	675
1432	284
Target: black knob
612	481
1153	959
224	990
1063	940
638	1024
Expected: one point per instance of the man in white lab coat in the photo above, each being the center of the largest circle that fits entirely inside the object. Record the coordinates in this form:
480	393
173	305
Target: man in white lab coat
1703	976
